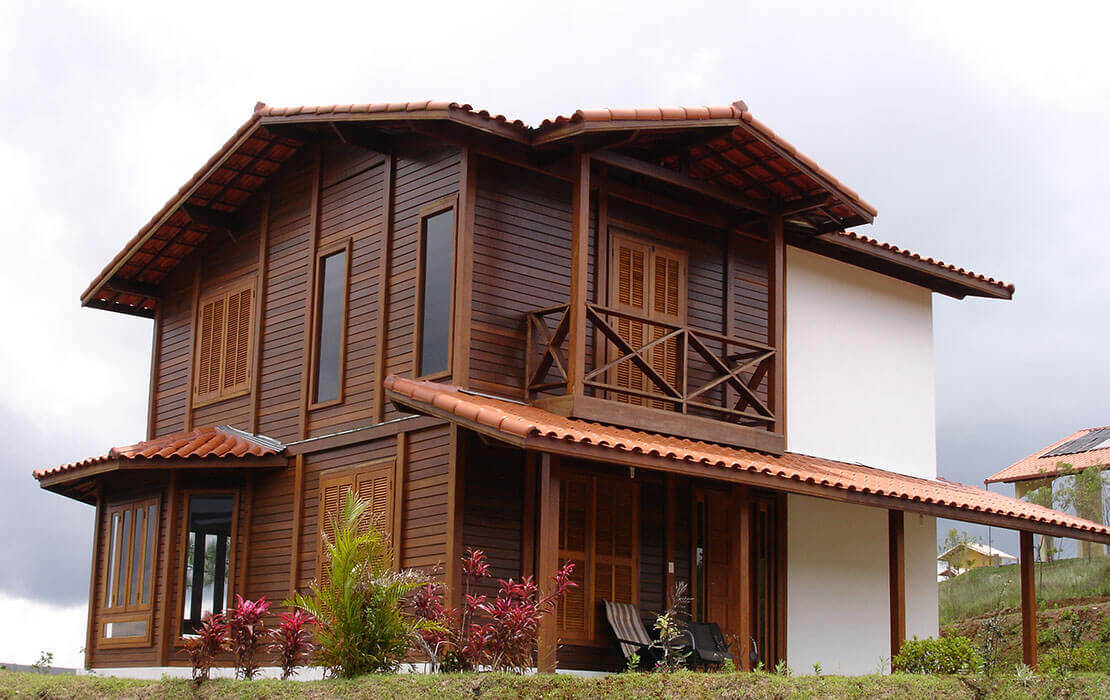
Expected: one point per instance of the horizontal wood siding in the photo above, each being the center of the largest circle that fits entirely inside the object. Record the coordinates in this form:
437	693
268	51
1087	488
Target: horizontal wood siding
271	530
424	509
175	353
493	509
522	233
425	174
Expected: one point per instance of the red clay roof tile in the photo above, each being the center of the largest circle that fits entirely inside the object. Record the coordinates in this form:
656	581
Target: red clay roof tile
1035	466
528	421
210	442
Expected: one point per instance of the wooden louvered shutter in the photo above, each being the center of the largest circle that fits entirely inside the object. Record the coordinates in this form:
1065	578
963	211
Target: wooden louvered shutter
630	291
237	341
375	488
575	502
615	545
333	492
666	306
210	344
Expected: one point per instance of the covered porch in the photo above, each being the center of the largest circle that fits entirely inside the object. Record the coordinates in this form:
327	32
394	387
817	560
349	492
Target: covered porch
809	560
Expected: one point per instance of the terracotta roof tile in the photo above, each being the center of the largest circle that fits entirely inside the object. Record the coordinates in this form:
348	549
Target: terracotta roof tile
1035	466
528	421
212	442
851	235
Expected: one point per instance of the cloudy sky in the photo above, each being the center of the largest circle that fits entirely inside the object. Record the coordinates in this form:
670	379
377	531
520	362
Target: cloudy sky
978	129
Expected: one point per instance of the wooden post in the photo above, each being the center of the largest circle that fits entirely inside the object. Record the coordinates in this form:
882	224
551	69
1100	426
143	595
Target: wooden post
383	290
740	579
295	535
455	484
528	516
776	327
167	612
259	311
90	632
580	249
1028	602
897	536
547	541
668	538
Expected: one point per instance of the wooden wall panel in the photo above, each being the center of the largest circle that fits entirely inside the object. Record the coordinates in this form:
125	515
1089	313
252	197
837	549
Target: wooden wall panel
424	175
521	262
425	500
492	509
175	354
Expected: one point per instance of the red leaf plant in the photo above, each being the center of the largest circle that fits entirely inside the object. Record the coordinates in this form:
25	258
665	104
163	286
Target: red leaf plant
292	642
500	634
201	649
245	630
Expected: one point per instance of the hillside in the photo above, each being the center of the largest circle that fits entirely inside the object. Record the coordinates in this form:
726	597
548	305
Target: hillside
978	591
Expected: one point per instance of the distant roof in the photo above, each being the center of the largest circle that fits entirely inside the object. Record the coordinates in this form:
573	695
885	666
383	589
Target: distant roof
1088	447
531	427
733	151
983	549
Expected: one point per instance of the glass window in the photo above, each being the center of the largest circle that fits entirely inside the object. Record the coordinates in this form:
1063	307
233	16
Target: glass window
130	628
436	265
207	558
329	332
132	546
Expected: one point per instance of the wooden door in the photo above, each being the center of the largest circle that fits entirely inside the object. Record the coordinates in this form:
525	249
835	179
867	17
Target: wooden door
648	281
715	594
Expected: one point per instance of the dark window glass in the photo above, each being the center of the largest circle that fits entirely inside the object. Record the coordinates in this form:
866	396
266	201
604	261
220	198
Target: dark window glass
207	558
437	265
333	278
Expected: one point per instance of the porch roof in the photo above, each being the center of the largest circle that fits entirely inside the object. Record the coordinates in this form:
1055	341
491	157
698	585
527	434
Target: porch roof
534	428
1061	457
212	446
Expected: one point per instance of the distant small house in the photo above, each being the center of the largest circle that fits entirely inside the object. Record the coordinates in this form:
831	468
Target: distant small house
971	555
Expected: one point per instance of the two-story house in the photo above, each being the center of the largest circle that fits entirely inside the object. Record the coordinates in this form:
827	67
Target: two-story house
638	340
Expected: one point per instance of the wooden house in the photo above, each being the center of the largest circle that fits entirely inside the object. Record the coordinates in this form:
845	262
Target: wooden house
643	341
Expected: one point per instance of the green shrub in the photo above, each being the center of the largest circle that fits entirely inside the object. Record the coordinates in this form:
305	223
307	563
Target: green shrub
360	625
1083	657
944	656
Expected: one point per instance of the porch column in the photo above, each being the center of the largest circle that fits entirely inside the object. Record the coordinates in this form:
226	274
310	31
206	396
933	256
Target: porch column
776	328
897	537
1028	602
547	558
579	257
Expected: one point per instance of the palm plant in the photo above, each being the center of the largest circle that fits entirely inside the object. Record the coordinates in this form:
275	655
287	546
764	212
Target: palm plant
360	625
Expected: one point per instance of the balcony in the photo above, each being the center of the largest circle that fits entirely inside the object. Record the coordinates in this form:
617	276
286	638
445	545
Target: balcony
655	376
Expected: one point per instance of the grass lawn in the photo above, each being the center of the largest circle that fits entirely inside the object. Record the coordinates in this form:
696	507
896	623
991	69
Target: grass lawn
977	591
679	685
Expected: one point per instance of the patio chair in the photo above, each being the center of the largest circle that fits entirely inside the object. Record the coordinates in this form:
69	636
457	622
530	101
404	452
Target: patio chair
709	645
628	627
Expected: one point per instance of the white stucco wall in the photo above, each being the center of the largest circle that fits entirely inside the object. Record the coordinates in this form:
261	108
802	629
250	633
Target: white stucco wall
859	366
838	585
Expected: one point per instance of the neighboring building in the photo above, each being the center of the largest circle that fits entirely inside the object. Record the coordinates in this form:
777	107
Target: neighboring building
971	555
1085	448
621	338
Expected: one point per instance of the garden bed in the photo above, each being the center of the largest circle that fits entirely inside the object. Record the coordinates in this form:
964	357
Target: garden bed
677	685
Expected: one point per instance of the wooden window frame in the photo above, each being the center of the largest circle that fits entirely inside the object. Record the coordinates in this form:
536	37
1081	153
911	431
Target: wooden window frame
183	545
589	578
450	203
327	251
225	289
350	475
140	612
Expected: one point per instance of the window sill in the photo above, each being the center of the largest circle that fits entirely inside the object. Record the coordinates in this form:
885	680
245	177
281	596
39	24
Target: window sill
209	402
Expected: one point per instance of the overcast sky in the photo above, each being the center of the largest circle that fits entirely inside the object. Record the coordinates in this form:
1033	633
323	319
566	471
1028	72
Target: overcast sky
979	130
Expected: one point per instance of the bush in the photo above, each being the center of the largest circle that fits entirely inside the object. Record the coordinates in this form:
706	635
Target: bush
360	626
1083	657
291	642
938	656
245	629
500	634
202	648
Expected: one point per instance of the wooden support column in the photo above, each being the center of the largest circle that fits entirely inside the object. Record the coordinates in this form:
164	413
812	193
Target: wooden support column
400	466
383	290
1028	602
456	467
776	327
167	618
463	295
668	537
310	286
896	531
740	579
295	535
259	312
155	363
90	629
579	258
192	345
528	518
547	560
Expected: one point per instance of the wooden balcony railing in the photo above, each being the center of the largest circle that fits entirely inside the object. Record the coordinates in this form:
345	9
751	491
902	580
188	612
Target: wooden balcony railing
711	374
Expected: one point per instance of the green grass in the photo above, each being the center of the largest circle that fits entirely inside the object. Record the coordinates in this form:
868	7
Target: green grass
977	591
678	685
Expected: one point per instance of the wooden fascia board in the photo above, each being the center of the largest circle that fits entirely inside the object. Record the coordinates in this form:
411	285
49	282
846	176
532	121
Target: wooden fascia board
609	455
357	436
824	182
952	283
183	197
677	179
121	308
471	120
274	461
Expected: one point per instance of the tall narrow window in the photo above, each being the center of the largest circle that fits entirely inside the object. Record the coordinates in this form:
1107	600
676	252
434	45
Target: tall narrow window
437	258
331	302
222	364
207	557
132	530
